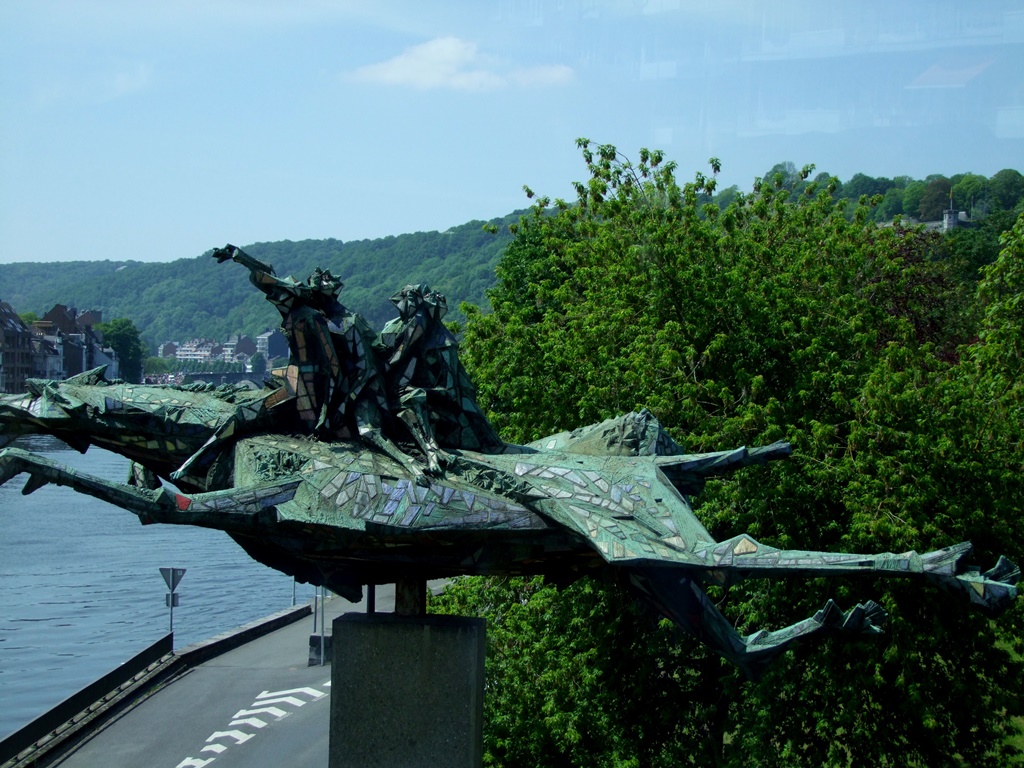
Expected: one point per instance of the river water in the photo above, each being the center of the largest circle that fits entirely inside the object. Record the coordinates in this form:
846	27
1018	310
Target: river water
81	591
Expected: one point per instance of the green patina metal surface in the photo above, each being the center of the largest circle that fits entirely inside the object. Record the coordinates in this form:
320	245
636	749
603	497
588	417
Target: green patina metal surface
369	462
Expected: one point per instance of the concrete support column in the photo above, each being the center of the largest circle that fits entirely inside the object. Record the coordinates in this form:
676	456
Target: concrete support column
411	597
407	691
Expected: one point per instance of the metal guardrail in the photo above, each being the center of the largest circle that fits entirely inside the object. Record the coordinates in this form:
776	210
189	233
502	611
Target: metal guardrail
77	703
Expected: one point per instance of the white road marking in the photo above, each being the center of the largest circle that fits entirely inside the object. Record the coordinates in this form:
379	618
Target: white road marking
245	717
238	736
278	713
294	701
313	693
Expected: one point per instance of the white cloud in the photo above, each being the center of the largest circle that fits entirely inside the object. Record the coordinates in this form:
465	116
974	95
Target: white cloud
448	62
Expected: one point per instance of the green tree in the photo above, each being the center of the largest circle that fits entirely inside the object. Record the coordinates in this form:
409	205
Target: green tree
258	363
1006	189
121	335
890	206
587	676
862	185
156	366
785	176
912	194
28	317
934	199
774	318
969	190
977	246
727	196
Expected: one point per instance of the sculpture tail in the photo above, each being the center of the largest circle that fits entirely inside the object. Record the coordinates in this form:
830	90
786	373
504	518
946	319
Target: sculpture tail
686	604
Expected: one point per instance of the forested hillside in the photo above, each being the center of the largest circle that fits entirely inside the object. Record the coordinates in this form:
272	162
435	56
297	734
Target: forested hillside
197	297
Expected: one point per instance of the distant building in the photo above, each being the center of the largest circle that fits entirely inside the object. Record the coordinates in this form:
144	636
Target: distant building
199	349
238	348
25	352
89	318
106	356
245	346
47	356
15	351
272	344
82	347
65	319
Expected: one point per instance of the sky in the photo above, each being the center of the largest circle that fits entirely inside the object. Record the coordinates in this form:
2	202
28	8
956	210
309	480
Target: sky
157	130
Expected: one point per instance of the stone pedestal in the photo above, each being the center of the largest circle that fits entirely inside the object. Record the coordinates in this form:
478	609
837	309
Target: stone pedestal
407	691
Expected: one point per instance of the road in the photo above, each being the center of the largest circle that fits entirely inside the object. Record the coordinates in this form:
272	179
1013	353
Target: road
258	706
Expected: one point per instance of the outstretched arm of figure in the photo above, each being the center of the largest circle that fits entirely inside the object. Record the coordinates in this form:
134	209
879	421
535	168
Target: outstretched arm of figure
261	275
233	253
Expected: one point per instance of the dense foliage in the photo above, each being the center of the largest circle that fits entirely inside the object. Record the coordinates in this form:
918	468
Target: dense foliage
922	200
789	314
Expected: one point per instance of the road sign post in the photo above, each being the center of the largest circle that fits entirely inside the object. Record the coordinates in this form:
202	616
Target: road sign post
172	577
